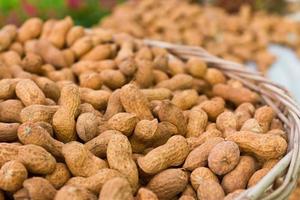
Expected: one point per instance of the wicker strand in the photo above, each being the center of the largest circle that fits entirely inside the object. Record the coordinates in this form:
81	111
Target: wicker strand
272	94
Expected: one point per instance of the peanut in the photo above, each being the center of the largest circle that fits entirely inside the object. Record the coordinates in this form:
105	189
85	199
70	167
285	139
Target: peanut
173	153
8	132
80	161
200	174
87	126
74	193
168	183
210	190
123	122
116	189
145	194
264	116
59	176
196	123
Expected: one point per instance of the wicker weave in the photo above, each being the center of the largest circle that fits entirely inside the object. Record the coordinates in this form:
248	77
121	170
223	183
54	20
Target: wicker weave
282	178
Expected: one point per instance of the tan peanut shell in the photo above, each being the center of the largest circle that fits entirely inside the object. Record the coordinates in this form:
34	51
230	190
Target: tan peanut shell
264	116
97	98
145	194
193	142
185	99
29	93
264	146
189	192
87	126
10	111
36	159
30	29
80	161
214	76
32	63
134	101
8	152
227	123
168	183
95	182
213	107
59	176
8	132
177	82
74	34
116	189
59	31
114	104
235	95
98	145
200	174
210	190
49	87
157	93
170	113
31	133
234	194
173	153
114	79
45	191
68	192
198	157
238	178
123	122
223	157
12	176
7	88
64	118
90	80
196	67
119	157
197	121
252	125
38	113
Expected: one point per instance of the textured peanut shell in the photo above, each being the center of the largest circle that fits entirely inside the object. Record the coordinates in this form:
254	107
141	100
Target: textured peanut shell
173	153
30	29
31	133
252	125
97	98
74	193
185	99
213	107
95	182
98	145
59	31
235	95
90	80
144	74
114	79
226	122
264	115
243	112
210	190
36	159
49	87
8	152
200	174
45	191
80	161
87	126
194	142
29	93
170	113
99	52
264	146
12	176
74	34
214	76
145	129
196	123
177	82
157	93
198	157
168	183
238	178
10	111
8	132
59	176
233	195
123	122
64	118
116	189
114	105
145	194
223	157
134	101
37	113
257	176
7	88
119	157
189	191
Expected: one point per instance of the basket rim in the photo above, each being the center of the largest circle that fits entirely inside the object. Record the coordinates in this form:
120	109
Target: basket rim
274	95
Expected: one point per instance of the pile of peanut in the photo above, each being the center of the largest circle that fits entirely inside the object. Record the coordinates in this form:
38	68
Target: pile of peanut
240	37
87	114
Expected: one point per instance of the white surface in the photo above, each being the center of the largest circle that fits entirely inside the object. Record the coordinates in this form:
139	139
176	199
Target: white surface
286	70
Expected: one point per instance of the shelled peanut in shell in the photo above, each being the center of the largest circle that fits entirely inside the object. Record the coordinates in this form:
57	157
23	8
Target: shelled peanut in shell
95	109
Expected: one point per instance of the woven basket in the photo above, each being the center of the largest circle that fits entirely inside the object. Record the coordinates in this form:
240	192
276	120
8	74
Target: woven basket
282	178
